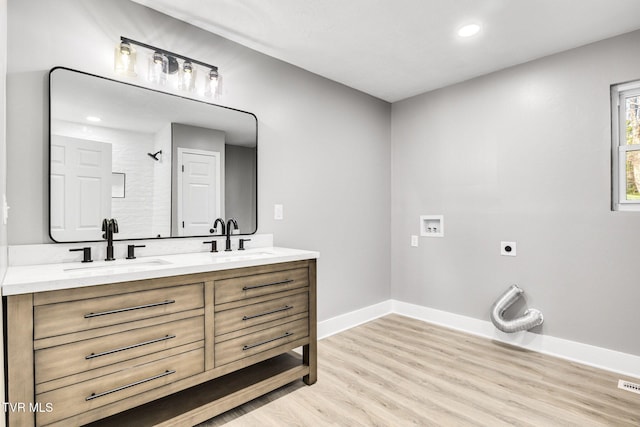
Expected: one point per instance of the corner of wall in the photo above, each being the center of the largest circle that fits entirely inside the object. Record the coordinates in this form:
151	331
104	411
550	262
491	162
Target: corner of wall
3	174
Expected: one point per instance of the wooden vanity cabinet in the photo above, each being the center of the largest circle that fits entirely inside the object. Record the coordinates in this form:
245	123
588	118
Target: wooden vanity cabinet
169	351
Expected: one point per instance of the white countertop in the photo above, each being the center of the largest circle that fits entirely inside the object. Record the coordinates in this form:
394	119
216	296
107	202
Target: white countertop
50	277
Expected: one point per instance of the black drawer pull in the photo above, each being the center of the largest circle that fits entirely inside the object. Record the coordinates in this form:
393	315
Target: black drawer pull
129	347
248	347
124	387
247	288
277	310
122	310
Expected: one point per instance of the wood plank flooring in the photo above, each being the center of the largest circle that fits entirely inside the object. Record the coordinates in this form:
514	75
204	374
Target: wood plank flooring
397	371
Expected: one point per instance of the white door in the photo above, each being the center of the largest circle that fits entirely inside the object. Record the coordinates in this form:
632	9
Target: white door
80	188
198	191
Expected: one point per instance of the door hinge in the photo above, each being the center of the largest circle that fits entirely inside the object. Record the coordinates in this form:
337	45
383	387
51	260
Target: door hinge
182	168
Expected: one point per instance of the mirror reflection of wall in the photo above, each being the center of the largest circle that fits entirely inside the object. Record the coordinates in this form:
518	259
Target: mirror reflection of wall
241	179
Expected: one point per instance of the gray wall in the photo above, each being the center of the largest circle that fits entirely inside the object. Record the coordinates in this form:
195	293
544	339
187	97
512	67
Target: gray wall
240	185
523	155
323	148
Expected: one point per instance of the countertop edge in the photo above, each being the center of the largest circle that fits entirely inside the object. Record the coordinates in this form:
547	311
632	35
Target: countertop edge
44	285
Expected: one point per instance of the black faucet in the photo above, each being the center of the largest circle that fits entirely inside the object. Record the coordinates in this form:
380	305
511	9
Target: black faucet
109	226
215	226
235	227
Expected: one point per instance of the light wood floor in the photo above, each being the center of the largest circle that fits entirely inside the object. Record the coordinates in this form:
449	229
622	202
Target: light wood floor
397	371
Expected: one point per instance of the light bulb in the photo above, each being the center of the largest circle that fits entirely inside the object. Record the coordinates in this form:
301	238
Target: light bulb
158	65
188	77
125	59
211	83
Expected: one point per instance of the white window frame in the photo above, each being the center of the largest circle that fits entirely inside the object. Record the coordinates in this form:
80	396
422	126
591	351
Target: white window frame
619	149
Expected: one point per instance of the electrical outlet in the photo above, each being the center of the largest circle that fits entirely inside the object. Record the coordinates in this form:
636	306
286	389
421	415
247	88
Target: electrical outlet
508	248
414	241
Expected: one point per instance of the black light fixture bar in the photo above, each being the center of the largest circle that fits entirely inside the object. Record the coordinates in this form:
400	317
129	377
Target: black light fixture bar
166	52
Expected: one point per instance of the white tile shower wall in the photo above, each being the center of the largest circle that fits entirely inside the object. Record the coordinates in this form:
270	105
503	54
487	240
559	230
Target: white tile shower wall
135	210
161	218
58	253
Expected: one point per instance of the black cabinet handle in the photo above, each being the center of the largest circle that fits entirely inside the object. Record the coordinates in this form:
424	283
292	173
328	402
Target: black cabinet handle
129	347
248	288
121	310
248	347
124	387
278	310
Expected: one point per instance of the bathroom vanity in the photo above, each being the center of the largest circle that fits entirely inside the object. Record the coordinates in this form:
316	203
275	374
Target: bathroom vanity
174	340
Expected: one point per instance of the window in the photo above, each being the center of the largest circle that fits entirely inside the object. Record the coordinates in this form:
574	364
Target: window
625	107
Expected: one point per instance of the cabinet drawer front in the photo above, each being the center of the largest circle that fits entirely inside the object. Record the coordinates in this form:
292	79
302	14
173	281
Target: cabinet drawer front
256	314
62	318
68	359
248	345
256	285
88	395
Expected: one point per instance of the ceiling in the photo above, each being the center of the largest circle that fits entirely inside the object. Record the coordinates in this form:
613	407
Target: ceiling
395	49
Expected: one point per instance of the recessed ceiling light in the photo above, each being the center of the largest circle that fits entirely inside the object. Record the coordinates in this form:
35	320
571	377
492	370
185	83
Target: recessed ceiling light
469	30
93	119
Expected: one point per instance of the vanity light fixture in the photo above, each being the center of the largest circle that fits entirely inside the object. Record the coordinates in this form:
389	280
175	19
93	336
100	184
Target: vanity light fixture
168	69
469	30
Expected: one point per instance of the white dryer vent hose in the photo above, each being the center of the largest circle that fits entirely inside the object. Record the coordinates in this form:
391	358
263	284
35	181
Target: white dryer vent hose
530	319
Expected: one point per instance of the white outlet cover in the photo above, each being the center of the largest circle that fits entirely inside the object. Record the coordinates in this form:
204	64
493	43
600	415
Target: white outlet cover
414	241
508	248
278	212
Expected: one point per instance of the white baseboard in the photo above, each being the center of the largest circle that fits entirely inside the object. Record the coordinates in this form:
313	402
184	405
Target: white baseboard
352	319
598	357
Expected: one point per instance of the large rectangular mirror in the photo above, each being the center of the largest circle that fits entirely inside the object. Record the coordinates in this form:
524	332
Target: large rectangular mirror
161	164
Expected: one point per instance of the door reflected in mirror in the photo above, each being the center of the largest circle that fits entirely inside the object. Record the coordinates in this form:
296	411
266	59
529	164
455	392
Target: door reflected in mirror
186	162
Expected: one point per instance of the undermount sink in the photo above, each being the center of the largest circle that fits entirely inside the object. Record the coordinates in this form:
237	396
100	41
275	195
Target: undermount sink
119	265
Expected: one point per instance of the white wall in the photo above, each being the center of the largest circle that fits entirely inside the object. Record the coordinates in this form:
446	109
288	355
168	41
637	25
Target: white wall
3	175
323	148
522	155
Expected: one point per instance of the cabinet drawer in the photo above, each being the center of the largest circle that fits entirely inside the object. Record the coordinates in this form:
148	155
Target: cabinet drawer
239	288
67	317
256	314
88	395
248	345
68	359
